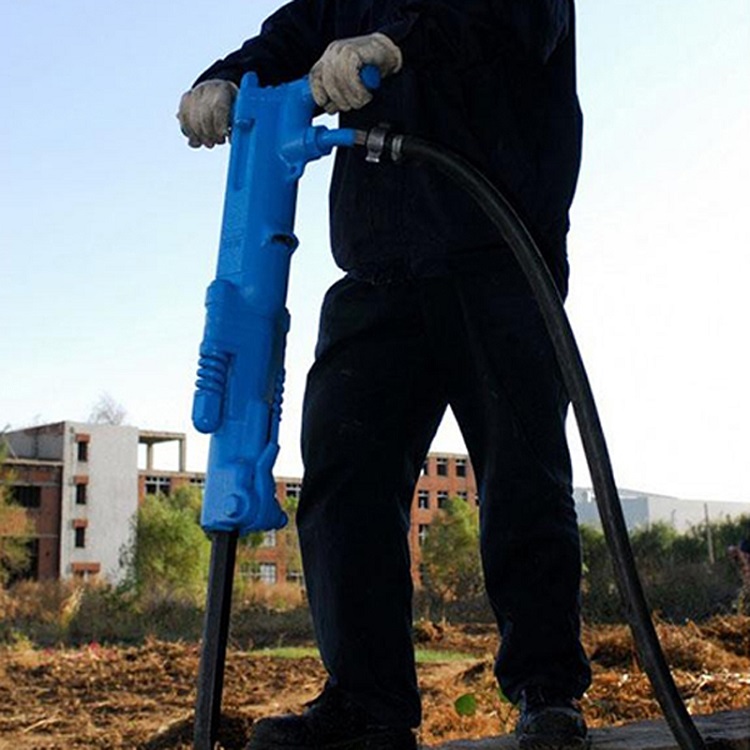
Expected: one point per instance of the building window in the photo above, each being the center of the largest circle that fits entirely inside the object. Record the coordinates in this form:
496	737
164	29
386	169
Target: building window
423	499
28	496
86	571
80	494
80	537
267	573
442	498
269	539
476	498
460	467
463	495
263	572
293	489
422	534
426	467
156	485
442	467
82	450
295	576
31	571
32	567
198	482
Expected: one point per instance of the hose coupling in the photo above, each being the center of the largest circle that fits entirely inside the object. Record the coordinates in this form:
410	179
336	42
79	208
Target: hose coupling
379	141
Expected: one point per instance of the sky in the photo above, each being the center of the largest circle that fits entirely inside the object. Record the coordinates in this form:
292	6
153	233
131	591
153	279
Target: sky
109	228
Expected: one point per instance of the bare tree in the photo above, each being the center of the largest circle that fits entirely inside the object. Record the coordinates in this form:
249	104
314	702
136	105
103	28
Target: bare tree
107	411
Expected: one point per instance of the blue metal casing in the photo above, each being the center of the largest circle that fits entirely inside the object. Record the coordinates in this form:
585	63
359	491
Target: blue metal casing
241	370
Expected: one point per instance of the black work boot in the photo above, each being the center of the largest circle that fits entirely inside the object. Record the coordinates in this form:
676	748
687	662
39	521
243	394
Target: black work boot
549	722
330	721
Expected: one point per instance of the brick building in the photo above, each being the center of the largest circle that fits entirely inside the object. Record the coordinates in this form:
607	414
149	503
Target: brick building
443	476
81	485
37	486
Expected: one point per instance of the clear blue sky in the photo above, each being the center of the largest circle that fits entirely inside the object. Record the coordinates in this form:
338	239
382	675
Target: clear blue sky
109	226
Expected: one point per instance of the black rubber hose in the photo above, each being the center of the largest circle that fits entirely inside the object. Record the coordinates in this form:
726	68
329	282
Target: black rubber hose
574	375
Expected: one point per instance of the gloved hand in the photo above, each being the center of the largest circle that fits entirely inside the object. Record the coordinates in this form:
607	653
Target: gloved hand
334	79
205	113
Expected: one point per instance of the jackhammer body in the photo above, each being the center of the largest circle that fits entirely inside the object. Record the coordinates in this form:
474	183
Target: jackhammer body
241	370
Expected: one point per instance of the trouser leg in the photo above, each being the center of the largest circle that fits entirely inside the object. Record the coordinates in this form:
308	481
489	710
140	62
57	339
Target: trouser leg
371	410
511	406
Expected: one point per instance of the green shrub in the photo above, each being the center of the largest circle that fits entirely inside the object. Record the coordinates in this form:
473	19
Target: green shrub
169	555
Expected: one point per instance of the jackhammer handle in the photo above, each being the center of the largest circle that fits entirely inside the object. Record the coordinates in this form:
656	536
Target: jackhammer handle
370	77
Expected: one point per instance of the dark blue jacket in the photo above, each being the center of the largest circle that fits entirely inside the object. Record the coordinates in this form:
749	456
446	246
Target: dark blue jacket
493	80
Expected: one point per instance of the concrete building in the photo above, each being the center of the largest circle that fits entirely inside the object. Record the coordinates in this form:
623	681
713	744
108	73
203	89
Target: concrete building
642	510
79	483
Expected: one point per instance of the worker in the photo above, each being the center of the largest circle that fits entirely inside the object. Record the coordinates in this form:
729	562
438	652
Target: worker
432	311
740	554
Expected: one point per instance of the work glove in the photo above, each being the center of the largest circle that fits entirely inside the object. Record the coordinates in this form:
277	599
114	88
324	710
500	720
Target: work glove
334	79
205	113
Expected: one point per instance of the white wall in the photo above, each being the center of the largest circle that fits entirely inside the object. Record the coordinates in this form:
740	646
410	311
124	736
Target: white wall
111	496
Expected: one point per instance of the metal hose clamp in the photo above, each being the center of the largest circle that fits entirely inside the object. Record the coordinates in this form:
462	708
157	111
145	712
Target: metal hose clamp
375	143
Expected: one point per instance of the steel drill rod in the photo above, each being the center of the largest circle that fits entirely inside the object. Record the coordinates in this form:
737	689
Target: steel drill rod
215	635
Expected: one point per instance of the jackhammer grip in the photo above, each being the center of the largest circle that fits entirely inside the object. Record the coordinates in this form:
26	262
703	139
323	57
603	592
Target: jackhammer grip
209	394
370	77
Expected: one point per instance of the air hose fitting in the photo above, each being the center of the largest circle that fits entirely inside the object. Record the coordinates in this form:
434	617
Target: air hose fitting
381	143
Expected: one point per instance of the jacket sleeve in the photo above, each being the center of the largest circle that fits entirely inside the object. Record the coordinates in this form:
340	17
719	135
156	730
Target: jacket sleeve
289	43
463	32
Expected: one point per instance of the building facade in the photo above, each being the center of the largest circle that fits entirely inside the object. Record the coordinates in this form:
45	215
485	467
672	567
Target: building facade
81	485
642	510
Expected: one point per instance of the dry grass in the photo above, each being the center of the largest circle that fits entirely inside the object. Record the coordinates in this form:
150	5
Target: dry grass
142	697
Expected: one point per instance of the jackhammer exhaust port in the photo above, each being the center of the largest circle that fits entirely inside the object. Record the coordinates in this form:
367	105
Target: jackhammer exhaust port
381	143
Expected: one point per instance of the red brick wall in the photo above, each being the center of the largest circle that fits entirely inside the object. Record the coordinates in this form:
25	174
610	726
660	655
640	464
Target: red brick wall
431	481
46	518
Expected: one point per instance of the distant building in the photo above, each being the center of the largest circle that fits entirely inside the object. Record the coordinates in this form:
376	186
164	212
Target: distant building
642	509
79	483
82	486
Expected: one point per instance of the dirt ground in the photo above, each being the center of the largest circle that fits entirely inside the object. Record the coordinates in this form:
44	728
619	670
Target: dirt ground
142	698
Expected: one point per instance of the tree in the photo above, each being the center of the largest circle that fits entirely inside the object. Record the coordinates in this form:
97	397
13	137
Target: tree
679	577
653	546
169	553
287	539
107	411
601	600
292	552
16	529
450	554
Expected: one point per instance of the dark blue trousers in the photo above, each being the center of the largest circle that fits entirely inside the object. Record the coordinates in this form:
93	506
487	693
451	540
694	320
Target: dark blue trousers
390	359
